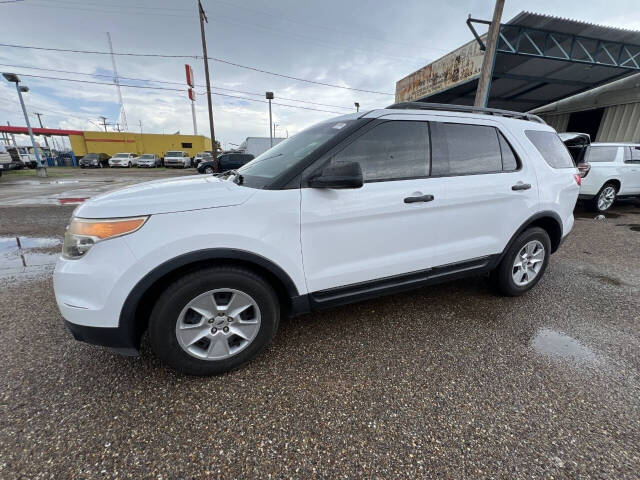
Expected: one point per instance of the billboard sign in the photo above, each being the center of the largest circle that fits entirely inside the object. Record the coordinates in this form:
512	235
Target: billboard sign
189	71
455	68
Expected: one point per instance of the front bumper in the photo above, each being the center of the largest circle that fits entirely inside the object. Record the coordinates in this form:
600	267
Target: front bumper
114	338
90	293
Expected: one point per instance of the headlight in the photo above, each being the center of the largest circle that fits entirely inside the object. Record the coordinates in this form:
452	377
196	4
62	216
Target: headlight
84	233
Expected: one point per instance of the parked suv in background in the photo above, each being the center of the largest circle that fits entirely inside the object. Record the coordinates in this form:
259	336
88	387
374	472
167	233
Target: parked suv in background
610	171
123	160
224	162
202	157
177	158
352	208
98	160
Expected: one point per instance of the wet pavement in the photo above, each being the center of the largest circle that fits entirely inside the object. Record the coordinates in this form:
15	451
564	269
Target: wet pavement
75	185
450	381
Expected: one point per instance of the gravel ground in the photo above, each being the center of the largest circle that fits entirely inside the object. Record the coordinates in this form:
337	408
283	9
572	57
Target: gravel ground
449	381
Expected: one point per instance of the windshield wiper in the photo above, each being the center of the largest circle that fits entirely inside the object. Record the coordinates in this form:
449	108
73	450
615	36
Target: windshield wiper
227	173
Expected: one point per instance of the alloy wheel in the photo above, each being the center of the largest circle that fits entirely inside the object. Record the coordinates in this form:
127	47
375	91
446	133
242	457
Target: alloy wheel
606	198
528	263
218	324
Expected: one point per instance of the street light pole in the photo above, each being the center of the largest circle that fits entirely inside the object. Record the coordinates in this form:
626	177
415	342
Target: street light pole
357	105
41	170
269	96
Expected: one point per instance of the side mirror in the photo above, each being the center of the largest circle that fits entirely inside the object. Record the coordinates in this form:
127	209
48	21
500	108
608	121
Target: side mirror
345	175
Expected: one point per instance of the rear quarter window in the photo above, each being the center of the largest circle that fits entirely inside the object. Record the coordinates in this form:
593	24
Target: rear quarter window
601	154
552	149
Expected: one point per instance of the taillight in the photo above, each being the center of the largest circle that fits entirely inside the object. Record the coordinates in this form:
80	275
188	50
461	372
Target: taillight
584	169
577	178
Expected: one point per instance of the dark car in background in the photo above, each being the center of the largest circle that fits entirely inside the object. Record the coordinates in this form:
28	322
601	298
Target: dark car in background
97	160
224	162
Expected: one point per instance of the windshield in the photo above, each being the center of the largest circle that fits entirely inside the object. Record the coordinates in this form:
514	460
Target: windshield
147	156
173	154
91	156
275	161
122	155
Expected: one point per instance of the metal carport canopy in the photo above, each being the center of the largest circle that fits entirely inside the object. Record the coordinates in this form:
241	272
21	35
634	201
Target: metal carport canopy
539	60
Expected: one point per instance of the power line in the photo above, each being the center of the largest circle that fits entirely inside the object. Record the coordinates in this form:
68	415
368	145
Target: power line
174	90
227	62
144	10
167	82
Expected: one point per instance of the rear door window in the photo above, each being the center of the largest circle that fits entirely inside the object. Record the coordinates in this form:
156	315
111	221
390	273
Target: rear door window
601	154
552	149
462	149
635	154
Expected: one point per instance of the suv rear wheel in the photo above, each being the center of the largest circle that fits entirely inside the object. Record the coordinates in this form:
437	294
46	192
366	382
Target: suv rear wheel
524	263
214	320
605	198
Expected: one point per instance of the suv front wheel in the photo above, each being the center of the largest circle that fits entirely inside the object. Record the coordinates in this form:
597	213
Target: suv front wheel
524	263
214	320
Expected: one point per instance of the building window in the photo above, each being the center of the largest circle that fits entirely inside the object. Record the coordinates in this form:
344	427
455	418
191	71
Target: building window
186	145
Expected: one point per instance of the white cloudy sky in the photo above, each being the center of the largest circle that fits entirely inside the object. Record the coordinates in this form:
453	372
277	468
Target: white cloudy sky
364	44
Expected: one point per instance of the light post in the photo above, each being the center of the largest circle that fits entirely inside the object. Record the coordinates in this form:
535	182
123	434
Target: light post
41	170
357	105
269	96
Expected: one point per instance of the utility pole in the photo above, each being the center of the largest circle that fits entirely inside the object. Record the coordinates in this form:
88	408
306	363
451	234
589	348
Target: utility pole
203	18
140	122
45	137
484	82
118	127
269	96
104	123
357	105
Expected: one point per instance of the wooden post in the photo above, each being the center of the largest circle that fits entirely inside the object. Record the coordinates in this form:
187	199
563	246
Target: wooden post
484	82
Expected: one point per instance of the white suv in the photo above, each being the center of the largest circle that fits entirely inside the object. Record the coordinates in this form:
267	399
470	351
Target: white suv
610	171
352	208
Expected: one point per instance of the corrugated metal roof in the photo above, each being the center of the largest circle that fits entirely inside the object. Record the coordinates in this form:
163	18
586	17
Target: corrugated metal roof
575	27
525	80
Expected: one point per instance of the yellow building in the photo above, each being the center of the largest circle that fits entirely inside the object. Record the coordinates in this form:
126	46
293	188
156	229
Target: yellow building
139	143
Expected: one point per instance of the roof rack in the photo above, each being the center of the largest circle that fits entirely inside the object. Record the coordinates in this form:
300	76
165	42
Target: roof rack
465	108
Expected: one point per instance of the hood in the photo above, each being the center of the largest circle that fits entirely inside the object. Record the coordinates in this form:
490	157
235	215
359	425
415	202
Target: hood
165	196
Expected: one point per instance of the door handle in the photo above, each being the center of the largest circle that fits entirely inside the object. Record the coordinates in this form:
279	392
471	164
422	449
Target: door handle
521	186
421	198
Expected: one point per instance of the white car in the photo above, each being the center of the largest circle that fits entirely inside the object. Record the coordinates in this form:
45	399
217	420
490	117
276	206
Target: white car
610	171
177	158
352	208
123	160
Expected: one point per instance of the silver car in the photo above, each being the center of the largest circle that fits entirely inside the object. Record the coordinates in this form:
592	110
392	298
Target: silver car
149	160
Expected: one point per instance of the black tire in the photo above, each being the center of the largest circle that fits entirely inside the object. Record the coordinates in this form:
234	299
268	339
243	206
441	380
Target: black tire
162	324
208	170
594	201
503	274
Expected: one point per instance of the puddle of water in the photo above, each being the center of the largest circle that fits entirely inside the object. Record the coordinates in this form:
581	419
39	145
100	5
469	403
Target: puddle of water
635	227
19	254
550	343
